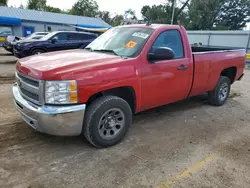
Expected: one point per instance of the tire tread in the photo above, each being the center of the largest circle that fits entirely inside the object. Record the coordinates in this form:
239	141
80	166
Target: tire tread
212	96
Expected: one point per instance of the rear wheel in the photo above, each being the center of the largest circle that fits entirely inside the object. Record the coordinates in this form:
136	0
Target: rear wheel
107	120
220	94
37	52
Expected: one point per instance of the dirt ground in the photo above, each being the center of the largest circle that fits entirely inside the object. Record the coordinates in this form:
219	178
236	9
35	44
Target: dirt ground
7	66
182	145
6	57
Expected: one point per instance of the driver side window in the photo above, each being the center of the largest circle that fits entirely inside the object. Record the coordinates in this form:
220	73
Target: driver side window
61	37
170	39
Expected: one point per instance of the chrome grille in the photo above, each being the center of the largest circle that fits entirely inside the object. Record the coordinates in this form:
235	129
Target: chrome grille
29	88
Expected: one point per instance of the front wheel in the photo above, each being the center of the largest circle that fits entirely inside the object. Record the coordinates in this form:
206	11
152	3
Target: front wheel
107	120
220	94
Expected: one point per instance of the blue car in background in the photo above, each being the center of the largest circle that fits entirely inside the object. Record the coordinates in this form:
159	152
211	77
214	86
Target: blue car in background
55	41
9	45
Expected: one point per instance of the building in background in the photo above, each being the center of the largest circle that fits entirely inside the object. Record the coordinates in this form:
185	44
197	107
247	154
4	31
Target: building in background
23	22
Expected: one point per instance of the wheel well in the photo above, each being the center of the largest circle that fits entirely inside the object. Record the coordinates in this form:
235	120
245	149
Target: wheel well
126	93
230	73
38	49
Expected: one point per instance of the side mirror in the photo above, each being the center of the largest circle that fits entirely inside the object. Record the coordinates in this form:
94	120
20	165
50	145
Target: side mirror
54	40
162	53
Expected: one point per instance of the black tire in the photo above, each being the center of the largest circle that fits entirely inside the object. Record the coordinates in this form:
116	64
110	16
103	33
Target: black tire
95	112
215	97
37	51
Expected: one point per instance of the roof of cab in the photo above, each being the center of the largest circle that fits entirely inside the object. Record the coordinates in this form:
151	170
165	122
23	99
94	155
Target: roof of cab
152	26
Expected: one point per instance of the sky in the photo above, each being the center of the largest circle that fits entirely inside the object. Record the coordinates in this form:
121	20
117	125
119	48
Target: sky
113	6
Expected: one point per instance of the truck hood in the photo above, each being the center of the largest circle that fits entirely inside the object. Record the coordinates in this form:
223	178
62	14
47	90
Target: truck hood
47	66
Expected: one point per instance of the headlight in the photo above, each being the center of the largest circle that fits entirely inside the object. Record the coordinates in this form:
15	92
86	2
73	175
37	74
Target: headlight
61	92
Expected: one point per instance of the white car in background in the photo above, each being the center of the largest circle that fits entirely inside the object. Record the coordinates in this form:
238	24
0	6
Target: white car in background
36	35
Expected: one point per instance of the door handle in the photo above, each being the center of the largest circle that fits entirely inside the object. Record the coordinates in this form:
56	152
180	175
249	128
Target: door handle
182	67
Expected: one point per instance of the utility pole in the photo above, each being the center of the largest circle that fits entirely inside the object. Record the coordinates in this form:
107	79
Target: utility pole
173	12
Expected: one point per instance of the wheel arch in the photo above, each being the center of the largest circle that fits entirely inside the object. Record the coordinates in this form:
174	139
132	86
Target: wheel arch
38	48
127	93
230	72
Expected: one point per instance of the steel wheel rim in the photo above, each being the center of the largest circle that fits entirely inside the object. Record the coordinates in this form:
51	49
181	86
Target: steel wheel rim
111	123
223	93
37	53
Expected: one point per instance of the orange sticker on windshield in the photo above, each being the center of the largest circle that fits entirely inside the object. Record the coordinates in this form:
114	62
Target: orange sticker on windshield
131	44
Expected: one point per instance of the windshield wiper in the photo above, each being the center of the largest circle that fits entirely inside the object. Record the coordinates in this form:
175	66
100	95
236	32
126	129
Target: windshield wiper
106	50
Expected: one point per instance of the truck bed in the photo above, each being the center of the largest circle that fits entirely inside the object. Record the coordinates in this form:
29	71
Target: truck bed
210	61
212	49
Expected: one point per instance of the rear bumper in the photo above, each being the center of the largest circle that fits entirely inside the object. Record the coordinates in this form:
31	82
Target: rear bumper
53	120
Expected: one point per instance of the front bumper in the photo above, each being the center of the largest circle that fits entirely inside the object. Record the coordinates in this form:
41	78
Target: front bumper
18	54
53	120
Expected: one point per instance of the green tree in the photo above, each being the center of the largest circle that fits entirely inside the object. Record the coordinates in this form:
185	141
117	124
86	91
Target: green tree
41	5
145	11
36	4
105	16
117	20
234	15
157	13
85	8
130	14
3	2
179	11
53	9
163	13
203	14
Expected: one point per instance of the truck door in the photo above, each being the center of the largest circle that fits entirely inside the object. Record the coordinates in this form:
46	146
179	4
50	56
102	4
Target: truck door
73	40
166	81
59	42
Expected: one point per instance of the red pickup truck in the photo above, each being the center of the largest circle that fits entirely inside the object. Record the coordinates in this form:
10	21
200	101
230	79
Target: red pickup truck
128	69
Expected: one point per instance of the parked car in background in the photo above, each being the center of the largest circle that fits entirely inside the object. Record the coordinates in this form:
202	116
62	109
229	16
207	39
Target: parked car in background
55	41
9	45
126	70
11	40
36	35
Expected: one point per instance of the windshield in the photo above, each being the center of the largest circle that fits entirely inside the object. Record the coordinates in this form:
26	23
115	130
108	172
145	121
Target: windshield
48	36
123	41
30	36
